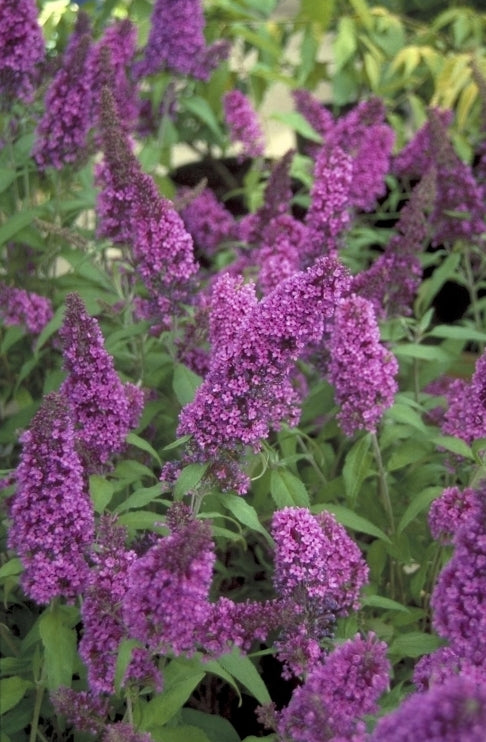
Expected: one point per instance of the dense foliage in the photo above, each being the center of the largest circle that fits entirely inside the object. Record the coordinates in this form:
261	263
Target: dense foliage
243	399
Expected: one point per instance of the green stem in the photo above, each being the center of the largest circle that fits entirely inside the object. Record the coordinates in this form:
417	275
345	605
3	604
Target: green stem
34	727
471	286
384	493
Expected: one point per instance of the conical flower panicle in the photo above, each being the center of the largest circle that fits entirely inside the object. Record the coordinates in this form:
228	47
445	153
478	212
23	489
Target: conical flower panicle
23	49
61	136
104	409
51	512
248	390
361	369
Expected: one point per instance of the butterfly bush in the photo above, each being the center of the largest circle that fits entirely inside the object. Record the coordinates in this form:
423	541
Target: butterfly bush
21	307
361	369
176	42
248	391
337	694
103	408
102	614
168	587
449	711
465	416
61	135
51	513
23	49
243	124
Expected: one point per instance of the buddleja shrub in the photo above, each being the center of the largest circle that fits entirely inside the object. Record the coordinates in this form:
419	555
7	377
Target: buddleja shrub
243	447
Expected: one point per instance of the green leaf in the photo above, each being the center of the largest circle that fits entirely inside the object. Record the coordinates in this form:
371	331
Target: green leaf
379	601
357	466
7	177
59	641
139	498
189	478
184	733
407	452
134	440
456	332
125	651
101	492
12	336
185	382
140	520
242	668
214	667
16	223
52	326
422	352
414	644
12	690
177	443
200	108
287	490
163	707
345	43
351	520
244	513
216	728
455	445
419	503
316	12
298	123
431	286
12	567
404	413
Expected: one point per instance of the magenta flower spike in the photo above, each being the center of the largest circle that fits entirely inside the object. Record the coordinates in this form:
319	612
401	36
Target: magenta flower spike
61	136
21	307
104	409
168	587
448	712
176	41
243	124
51	512
337	694
328	215
23	49
248	391
465	416
361	369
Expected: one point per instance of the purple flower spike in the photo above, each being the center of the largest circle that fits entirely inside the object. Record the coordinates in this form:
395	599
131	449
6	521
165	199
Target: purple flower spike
362	370
243	124
103	627
459	596
104	409
315	559
176	41
62	132
450	711
249	390
22	46
328	214
20	307
337	694
168	587
465	417
52	516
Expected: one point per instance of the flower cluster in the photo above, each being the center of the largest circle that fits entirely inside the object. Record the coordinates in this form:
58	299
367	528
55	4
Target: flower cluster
52	517
449	511
465	416
448	712
104	409
176	41
168	587
21	307
103	626
61	134
361	369
22	46
207	220
249	390
459	597
337	694
243	124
